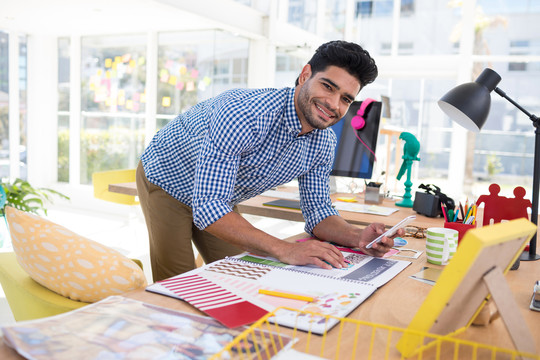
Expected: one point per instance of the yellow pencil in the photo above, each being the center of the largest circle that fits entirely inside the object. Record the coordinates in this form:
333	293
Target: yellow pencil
286	295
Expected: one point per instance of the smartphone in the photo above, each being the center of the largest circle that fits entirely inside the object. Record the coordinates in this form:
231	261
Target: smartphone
393	230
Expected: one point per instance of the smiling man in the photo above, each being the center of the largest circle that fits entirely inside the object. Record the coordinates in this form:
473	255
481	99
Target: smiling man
241	143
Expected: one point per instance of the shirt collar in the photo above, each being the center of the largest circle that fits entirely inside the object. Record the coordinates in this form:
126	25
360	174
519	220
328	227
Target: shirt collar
292	121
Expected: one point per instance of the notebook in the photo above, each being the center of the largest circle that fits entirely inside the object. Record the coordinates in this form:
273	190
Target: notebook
228	289
284	203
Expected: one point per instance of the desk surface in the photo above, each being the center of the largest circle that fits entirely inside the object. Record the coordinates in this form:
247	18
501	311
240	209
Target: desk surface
129	188
254	206
396	303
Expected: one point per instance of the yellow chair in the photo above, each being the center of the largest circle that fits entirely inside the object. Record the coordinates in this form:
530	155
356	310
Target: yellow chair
101	181
26	298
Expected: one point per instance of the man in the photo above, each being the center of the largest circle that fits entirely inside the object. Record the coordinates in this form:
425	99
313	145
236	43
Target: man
241	143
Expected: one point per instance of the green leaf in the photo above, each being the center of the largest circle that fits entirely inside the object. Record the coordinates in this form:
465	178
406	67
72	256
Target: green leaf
23	196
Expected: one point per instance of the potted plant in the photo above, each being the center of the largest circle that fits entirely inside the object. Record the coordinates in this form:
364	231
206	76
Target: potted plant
23	196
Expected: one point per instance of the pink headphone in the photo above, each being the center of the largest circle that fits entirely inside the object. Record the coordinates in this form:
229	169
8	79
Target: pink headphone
358	121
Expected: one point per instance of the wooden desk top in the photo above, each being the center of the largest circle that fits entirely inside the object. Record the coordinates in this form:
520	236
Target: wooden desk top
395	304
254	206
129	188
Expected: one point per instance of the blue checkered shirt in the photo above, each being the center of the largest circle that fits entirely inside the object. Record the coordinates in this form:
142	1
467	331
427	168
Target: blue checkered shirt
237	145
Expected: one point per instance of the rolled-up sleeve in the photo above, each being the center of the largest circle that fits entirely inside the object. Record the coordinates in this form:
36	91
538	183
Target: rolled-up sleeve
230	134
315	189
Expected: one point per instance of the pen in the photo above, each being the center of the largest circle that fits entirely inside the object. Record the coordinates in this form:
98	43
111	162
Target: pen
286	295
450	213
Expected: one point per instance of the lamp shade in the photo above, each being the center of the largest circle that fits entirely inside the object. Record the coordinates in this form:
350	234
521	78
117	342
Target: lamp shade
468	104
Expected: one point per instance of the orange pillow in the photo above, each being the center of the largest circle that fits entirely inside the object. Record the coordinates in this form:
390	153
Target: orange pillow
67	263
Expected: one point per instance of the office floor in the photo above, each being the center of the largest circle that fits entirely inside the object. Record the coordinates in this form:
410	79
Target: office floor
128	235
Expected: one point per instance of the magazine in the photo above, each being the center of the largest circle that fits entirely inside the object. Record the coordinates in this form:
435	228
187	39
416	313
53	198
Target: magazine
123	328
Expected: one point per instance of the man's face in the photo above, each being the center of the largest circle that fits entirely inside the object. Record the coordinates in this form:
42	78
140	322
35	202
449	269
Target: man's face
323	98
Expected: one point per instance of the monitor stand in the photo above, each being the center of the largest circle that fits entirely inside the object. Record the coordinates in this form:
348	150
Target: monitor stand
333	185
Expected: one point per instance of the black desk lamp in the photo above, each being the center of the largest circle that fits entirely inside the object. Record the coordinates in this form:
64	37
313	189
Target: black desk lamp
468	105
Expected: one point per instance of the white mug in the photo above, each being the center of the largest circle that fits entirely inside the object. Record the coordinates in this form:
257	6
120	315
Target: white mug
441	244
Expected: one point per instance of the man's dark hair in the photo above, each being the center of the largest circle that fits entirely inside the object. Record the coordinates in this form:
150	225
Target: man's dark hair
346	55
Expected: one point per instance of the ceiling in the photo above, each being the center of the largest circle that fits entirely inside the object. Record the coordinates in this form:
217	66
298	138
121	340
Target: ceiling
66	17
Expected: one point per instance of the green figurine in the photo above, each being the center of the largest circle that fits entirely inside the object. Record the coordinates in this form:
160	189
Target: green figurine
410	154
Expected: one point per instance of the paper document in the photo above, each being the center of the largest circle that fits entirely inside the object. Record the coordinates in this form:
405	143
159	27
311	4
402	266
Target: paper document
289	195
364	208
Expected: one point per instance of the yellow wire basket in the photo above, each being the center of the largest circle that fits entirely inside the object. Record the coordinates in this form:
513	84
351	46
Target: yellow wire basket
351	339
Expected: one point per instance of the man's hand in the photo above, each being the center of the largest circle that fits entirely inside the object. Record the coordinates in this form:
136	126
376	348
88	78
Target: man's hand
372	232
235	229
312	252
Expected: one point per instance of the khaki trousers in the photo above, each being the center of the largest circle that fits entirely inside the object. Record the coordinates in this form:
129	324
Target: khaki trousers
171	232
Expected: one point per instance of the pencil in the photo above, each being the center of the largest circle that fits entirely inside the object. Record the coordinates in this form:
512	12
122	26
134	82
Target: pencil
456	215
443	208
286	295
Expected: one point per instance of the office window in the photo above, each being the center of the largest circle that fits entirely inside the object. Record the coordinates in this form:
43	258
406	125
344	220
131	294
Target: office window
244	2
4	105
303	13
383	8
288	66
23	123
64	61
364	9
425	27
239	71
407	7
261	5
505	26
524	47
180	75
113	73
6	139
335	19
504	148
508	6
432	26
196	65
403	49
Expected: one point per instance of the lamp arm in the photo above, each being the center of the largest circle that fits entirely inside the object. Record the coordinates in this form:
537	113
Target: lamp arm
531	255
534	118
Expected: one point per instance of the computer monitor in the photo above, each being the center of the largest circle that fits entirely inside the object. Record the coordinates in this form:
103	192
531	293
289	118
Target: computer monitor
353	158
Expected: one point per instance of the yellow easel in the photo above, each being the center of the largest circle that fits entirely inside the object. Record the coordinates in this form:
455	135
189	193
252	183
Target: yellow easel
475	273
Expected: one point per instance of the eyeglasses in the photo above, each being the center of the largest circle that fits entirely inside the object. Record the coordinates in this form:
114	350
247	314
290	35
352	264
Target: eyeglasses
415	231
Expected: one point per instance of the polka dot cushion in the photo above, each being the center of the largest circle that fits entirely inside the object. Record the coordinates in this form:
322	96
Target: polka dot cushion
67	263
